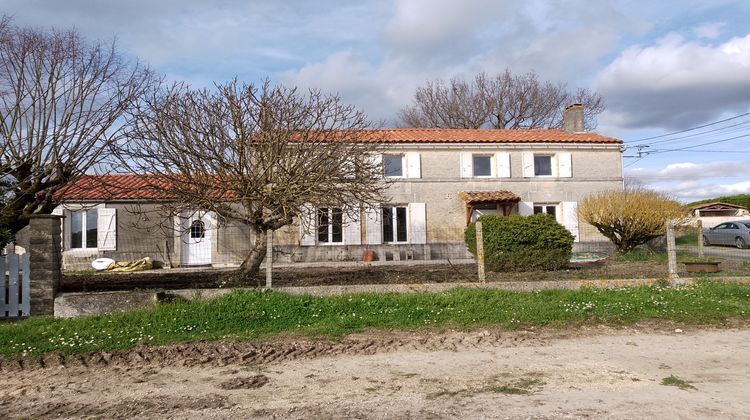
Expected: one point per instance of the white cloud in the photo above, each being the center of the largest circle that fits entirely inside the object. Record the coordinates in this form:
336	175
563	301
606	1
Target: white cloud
691	191
425	40
709	30
676	83
691	181
684	171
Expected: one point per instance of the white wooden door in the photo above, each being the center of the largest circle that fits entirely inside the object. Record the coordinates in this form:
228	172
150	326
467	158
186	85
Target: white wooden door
198	232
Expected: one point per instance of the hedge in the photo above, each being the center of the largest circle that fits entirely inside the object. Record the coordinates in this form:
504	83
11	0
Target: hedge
518	243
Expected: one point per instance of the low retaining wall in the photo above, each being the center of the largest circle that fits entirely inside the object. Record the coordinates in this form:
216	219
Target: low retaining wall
69	305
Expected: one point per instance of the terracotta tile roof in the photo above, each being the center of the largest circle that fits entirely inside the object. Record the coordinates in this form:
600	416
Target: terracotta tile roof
472	197
444	135
114	187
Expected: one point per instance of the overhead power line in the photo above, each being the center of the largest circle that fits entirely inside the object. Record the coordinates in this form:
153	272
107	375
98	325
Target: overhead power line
721	129
690	129
700	145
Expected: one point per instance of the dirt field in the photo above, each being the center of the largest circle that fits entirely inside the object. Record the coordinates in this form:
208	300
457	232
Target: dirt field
323	276
587	373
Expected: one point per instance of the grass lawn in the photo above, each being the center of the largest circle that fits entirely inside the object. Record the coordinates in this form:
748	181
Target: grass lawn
261	315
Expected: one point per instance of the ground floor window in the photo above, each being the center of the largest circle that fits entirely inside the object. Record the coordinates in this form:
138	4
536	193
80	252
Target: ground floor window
394	224
330	225
83	229
550	209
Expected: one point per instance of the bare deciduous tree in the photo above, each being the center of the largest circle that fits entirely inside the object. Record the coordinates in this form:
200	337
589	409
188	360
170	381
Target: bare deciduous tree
632	217
254	154
61	102
505	101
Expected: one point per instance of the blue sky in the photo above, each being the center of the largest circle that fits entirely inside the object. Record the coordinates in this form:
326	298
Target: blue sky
662	66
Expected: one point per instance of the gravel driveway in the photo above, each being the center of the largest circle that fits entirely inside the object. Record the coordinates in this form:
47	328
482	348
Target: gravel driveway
599	372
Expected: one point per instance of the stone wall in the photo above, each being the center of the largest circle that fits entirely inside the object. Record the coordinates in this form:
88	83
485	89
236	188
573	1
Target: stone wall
44	238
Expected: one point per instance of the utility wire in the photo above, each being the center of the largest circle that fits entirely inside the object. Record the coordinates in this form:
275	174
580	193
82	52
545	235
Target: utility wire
702	144
689	129
702	133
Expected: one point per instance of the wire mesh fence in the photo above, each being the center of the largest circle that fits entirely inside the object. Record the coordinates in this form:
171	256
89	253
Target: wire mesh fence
203	257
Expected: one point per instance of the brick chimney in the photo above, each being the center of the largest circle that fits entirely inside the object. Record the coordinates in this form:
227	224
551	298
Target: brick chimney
573	118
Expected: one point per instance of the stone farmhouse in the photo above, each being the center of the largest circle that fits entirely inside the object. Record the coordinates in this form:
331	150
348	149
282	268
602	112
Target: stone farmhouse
442	180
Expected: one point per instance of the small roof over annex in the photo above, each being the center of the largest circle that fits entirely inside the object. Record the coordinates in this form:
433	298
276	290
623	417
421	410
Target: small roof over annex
113	187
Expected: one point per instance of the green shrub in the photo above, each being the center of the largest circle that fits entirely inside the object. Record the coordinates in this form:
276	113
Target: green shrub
517	243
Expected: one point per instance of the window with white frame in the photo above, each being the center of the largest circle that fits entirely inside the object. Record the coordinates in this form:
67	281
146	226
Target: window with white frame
197	229
542	165
394	224
550	209
330	225
393	166
547	165
482	165
83	229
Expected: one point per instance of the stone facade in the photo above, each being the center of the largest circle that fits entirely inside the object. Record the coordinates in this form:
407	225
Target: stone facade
434	175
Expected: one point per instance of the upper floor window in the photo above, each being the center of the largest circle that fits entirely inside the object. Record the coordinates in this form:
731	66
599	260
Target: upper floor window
485	164
542	165
482	165
83	229
393	165
330	225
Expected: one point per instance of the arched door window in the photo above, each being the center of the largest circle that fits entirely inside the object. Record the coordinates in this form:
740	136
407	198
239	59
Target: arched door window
197	229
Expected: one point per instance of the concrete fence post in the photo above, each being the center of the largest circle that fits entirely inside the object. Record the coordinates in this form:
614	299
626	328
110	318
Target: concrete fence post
700	239
45	242
269	259
480	253
671	251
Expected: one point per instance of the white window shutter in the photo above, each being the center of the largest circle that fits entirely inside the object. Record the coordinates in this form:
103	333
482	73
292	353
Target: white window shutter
527	160
59	211
352	227
307	225
525	208
418	223
377	161
467	170
106	229
570	217
373	225
502	160
413	165
565	168
349	168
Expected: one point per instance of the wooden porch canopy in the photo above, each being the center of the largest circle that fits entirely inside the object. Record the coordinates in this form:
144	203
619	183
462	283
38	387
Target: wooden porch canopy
503	200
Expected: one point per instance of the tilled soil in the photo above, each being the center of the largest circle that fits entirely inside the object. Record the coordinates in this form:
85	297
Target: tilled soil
326	276
592	372
219	354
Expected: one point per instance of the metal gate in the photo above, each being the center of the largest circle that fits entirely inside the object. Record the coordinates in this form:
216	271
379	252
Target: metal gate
15	290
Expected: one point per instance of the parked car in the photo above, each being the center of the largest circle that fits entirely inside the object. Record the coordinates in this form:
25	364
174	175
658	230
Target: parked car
735	233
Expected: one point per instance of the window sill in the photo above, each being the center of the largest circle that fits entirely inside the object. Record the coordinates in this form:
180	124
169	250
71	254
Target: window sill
82	251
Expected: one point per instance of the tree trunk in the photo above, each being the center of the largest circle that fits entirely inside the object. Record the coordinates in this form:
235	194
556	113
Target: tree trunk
251	265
